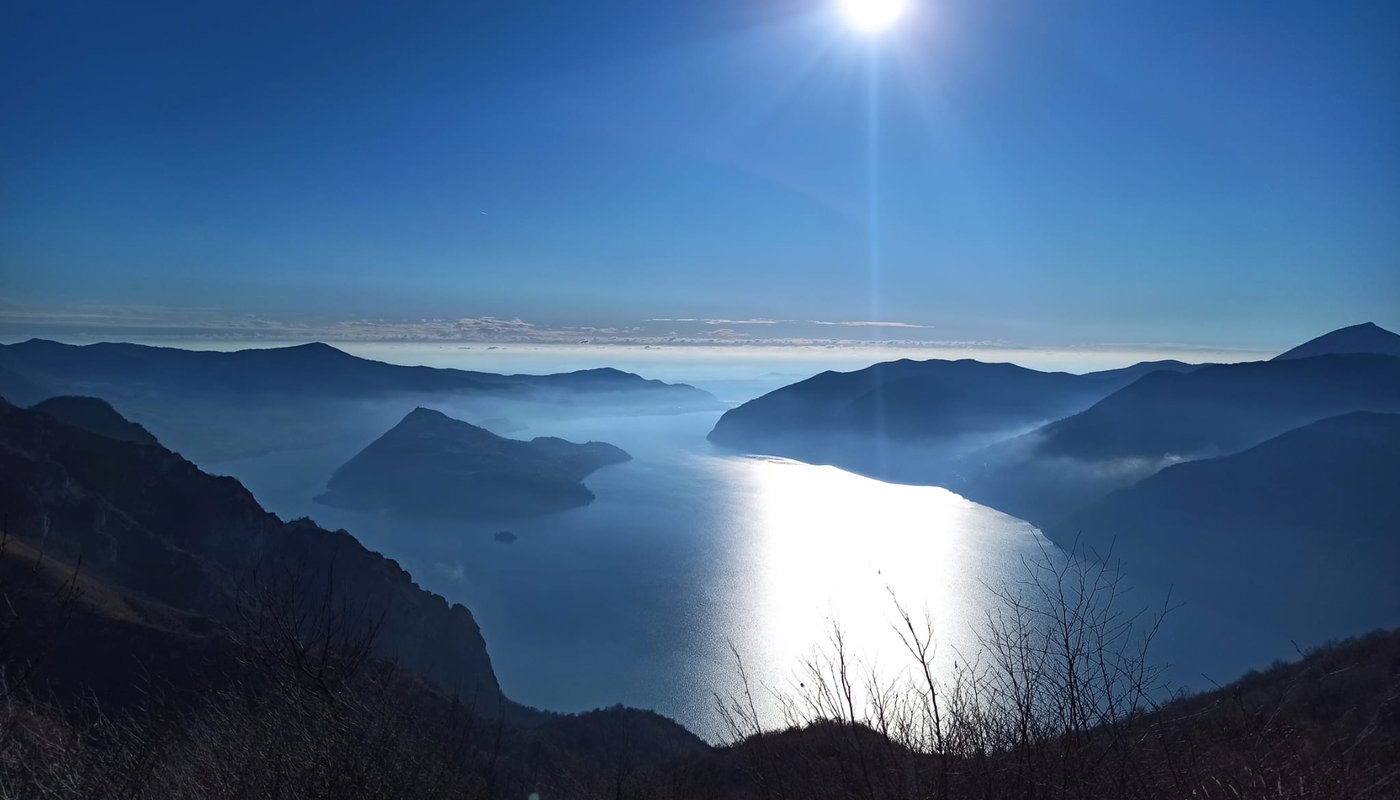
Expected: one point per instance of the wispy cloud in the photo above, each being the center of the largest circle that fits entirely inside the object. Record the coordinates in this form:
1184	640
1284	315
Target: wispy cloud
869	324
112	323
453	571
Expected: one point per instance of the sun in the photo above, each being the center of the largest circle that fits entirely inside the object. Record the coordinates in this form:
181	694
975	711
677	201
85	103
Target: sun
872	16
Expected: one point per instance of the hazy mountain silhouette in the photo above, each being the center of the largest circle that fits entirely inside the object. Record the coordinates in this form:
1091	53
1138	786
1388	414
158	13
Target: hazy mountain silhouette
1304	527
1223	408
22	390
883	419
432	465
220	405
1166	418
1367	337
972	426
314	368
95	416
146	521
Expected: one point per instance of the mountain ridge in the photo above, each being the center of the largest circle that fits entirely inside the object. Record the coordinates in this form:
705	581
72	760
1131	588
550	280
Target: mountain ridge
1367	337
1301	530
215	405
896	420
142	518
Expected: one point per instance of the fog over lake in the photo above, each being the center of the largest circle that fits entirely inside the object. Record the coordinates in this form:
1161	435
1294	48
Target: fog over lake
691	554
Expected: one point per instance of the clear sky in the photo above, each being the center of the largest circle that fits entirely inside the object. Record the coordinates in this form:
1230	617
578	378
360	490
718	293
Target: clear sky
1127	171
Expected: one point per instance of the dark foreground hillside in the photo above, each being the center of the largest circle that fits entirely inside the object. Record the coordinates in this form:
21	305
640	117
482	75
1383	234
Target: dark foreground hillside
150	524
1325	727
321	721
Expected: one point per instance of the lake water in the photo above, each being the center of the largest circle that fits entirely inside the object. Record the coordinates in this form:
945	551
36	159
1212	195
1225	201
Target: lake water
691	555
687	552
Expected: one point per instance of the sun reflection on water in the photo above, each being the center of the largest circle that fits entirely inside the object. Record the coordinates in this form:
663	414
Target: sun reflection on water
825	548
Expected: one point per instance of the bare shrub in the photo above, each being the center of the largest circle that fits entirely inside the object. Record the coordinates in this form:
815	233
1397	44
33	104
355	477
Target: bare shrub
1062	700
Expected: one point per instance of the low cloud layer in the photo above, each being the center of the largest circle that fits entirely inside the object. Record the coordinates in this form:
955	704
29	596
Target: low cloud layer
864	324
115	323
157	323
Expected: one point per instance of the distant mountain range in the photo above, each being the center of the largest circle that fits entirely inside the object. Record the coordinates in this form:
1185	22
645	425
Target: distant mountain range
1163	419
1222	408
432	465
314	368
219	405
871	419
1278	476
1368	337
1042	446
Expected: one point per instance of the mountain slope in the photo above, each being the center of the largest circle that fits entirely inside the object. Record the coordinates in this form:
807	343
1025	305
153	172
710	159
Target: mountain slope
432	465
855	418
1305	526
95	416
1165	418
145	520
1367	337
1222	408
1337	474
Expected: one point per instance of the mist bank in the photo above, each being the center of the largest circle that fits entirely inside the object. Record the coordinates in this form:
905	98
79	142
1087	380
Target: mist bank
217	405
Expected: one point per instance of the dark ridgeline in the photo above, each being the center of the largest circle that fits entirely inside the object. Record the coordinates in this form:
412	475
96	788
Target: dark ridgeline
151	525
160	633
213	406
94	416
315	368
430	465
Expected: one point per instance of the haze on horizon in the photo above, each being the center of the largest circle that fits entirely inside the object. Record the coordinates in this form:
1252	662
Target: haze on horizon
1011	171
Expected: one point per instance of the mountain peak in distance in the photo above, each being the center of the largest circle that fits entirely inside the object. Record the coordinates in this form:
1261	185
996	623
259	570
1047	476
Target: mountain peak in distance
1368	337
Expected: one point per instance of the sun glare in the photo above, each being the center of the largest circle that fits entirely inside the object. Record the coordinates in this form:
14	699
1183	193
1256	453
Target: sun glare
872	16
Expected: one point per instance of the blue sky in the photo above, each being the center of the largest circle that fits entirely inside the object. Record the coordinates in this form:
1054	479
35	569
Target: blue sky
1200	172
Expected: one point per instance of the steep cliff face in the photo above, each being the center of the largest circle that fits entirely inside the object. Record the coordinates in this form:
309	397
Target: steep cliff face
147	521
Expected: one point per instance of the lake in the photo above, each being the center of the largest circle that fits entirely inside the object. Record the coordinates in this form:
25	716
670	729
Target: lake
638	597
692	555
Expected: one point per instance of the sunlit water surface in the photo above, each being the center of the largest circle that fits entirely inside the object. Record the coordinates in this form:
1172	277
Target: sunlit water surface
689	556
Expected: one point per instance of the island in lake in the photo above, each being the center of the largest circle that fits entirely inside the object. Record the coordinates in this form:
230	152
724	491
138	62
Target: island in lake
431	465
